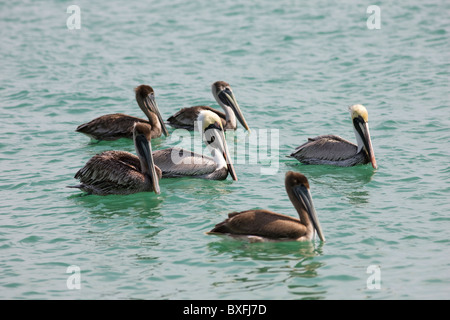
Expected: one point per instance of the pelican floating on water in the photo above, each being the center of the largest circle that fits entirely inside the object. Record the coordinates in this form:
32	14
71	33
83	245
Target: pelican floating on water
224	96
264	225
115	126
334	150
176	162
120	172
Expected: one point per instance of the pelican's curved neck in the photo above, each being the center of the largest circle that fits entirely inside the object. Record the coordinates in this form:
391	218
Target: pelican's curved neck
230	117
301	210
151	116
154	122
359	140
218	157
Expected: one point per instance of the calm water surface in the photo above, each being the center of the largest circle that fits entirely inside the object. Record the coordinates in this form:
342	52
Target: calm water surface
295	67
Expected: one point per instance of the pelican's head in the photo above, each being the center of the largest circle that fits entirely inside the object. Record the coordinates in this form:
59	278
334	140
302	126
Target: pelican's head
297	186
225	98
141	129
360	119
207	119
145	97
213	135
141	137
358	110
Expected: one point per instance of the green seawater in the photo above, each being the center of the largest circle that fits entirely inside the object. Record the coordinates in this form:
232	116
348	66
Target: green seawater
295	67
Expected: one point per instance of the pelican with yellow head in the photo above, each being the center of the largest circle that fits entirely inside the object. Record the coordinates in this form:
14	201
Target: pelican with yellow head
177	162
334	150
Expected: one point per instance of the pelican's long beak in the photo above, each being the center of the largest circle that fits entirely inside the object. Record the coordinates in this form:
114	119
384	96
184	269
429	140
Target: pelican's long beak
227	97
215	139
362	128
144	149
302	193
151	105
226	156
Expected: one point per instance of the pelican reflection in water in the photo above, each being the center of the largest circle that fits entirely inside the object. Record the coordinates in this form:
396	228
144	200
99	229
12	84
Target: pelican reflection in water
176	162
120	172
115	126
224	96
264	225
334	150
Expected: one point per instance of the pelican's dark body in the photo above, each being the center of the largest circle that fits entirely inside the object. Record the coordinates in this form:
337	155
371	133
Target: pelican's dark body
276	226
115	126
114	172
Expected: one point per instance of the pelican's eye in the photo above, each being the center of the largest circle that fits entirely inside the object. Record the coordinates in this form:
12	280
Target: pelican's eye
213	138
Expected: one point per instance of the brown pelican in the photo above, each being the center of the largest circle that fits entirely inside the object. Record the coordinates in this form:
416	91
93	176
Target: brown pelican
176	162
120	172
264	225
333	150
224	96
115	126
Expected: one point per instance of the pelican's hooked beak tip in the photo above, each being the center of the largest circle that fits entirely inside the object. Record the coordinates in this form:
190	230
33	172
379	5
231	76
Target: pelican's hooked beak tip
373	161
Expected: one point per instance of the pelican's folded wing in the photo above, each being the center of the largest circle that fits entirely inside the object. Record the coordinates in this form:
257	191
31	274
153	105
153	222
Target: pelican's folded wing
186	117
110	127
326	148
177	162
111	170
